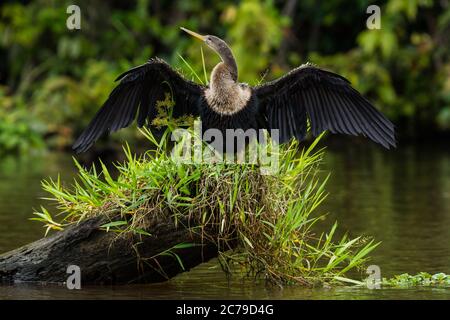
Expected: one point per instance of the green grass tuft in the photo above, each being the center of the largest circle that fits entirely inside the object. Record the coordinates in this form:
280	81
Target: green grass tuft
262	224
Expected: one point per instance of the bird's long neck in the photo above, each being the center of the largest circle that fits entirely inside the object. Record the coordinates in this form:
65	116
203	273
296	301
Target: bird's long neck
228	62
222	79
225	74
225	95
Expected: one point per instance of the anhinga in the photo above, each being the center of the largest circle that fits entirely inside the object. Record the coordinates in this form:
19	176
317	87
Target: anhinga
307	92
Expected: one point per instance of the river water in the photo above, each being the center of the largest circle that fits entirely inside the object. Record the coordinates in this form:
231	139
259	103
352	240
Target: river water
401	198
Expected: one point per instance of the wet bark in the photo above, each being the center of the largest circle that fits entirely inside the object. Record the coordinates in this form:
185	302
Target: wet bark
105	257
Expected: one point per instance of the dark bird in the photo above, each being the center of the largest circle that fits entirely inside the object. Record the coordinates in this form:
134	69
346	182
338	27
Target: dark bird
327	99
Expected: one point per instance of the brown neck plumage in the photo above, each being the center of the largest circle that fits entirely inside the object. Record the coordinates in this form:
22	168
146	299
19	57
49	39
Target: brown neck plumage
228	59
225	95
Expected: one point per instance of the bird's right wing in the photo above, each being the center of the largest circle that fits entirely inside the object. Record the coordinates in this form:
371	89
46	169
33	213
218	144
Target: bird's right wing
325	98
136	94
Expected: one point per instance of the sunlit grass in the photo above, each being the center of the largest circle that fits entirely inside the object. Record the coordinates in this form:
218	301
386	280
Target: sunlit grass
262	224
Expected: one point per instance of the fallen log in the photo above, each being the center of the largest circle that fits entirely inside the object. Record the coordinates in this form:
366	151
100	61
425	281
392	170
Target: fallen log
106	257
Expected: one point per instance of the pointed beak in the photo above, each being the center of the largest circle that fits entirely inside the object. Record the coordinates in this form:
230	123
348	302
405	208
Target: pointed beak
194	34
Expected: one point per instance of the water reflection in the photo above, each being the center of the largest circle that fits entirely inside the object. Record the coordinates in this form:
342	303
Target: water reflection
401	198
206	283
20	191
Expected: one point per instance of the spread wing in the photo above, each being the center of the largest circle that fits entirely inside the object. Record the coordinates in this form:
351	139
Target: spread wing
136	96
327	100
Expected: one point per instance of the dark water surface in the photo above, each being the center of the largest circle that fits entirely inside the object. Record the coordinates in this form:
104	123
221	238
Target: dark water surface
401	198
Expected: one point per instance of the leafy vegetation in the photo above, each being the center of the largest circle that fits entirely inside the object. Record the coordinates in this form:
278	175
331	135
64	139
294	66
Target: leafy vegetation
262	224
420	279
52	80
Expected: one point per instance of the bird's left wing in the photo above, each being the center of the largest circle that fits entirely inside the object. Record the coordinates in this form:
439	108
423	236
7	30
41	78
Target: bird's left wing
327	99
136	95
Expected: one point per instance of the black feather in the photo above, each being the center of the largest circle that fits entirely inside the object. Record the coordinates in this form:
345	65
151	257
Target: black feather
139	89
330	103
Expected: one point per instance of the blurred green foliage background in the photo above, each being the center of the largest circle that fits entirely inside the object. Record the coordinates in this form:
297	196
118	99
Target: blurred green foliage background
53	80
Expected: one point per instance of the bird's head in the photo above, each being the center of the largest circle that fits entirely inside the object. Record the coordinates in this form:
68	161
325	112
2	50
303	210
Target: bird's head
215	43
219	46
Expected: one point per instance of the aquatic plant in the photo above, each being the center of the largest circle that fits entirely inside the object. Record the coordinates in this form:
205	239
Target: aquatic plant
262	223
421	279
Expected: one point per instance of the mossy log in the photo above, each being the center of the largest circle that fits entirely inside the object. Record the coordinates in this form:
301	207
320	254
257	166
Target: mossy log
106	257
